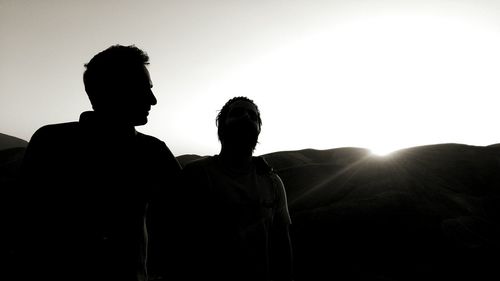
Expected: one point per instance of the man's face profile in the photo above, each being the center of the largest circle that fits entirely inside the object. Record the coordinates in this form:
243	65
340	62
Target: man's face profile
133	96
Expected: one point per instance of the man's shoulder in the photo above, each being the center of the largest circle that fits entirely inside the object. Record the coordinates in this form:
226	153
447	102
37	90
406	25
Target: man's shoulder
262	166
149	138
154	145
60	126
57	130
265	169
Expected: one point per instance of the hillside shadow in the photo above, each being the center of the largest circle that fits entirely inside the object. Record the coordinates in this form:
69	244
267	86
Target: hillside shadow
429	211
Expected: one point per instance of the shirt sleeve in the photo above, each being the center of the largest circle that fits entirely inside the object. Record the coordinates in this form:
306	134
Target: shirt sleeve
282	212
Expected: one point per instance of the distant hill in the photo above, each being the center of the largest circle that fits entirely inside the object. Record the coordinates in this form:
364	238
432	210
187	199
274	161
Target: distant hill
7	142
11	155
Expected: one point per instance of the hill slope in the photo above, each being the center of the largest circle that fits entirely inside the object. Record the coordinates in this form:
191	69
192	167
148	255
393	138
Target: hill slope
7	142
429	211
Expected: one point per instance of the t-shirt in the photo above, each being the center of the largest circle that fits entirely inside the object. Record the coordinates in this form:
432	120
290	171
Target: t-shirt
238	213
87	191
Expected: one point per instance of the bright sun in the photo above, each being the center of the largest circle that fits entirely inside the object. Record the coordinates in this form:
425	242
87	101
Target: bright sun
382	151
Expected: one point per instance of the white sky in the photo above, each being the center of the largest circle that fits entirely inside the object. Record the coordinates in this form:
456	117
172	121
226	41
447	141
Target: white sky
376	74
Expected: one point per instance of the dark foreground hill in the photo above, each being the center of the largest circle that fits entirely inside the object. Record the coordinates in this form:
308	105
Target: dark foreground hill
7	142
11	156
429	212
423	213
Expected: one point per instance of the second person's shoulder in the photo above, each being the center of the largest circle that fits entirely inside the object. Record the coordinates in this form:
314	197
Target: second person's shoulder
262	165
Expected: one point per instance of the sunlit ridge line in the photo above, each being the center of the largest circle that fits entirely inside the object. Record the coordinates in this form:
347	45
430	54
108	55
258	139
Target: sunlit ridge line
327	180
420	184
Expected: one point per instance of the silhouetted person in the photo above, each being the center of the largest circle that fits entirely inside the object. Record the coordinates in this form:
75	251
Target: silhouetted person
90	182
237	206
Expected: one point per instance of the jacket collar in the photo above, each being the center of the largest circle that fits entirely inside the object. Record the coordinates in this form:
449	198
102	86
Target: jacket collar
102	125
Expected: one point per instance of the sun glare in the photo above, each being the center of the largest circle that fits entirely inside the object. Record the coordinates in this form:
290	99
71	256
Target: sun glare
382	151
368	81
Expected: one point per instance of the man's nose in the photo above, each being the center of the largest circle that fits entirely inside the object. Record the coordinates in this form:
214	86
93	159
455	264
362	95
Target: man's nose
151	98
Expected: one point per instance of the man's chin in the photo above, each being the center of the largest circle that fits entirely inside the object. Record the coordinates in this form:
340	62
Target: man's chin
140	121
242	144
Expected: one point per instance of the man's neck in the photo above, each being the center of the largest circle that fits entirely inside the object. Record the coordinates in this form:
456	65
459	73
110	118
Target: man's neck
108	124
236	159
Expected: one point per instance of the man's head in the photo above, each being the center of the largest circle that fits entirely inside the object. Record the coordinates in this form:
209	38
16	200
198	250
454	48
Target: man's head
118	84
239	123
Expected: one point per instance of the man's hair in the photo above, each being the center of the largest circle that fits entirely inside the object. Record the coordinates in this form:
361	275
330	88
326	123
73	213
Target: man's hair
222	115
109	65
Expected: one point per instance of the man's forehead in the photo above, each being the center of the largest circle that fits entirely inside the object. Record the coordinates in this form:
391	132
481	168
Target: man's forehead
136	73
136	69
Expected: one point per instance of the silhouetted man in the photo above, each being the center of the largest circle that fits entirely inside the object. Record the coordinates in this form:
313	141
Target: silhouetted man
90	182
237	204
